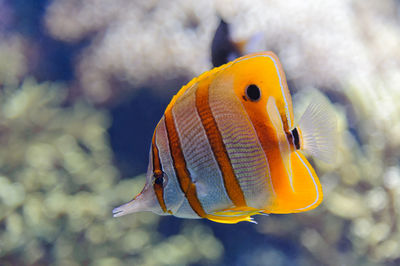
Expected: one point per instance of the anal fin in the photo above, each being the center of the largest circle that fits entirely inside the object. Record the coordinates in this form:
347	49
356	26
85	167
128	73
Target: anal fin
234	215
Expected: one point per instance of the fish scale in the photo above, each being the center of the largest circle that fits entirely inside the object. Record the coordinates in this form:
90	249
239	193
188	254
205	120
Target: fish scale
226	151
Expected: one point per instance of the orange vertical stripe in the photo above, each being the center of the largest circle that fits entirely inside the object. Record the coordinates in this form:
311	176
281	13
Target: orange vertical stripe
182	173
269	141
157	171
232	186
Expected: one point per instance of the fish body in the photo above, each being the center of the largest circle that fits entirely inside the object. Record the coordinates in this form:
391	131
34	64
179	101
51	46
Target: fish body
226	147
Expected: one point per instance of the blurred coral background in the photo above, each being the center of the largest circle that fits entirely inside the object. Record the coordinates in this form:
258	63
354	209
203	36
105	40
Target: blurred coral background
83	84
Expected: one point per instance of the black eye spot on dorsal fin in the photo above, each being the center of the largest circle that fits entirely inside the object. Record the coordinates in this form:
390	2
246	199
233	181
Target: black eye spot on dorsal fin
159	181
296	139
253	93
158	177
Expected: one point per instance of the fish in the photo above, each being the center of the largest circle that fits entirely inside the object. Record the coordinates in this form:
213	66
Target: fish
227	148
224	48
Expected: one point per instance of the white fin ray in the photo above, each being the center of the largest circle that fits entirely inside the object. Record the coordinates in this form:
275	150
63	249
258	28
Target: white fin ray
284	145
319	131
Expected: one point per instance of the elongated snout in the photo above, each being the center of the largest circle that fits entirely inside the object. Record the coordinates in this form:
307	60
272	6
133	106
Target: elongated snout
144	201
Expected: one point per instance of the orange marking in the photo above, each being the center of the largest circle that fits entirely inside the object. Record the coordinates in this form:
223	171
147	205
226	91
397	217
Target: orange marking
158	189
286	200
232	186
308	189
182	173
305	185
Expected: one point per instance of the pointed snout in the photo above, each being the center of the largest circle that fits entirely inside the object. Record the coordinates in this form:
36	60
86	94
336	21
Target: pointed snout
145	201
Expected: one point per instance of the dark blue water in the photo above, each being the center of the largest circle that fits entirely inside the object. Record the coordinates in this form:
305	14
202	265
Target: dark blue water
48	59
133	123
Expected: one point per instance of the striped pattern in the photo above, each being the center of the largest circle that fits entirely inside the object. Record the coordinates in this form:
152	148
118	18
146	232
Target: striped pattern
219	150
175	199
157	171
220	153
246	155
182	173
216	156
199	156
224	157
217	160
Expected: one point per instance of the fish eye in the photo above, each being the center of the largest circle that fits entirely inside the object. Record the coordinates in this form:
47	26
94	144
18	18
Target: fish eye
253	93
160	178
159	181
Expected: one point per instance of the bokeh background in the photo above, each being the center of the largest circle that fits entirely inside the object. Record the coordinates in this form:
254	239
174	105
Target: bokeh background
83	84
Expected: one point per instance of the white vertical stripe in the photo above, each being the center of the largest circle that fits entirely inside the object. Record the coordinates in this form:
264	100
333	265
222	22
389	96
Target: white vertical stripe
174	198
284	150
236	130
198	154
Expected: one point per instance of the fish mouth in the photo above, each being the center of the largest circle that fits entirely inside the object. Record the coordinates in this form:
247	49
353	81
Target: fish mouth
129	207
117	212
144	201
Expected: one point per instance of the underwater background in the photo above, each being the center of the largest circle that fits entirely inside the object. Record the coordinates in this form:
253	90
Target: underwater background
84	83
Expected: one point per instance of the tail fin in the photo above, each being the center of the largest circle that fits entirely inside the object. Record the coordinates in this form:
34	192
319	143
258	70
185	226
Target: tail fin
319	132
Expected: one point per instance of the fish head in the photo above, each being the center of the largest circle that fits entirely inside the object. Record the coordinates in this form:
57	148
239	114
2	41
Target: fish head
256	78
